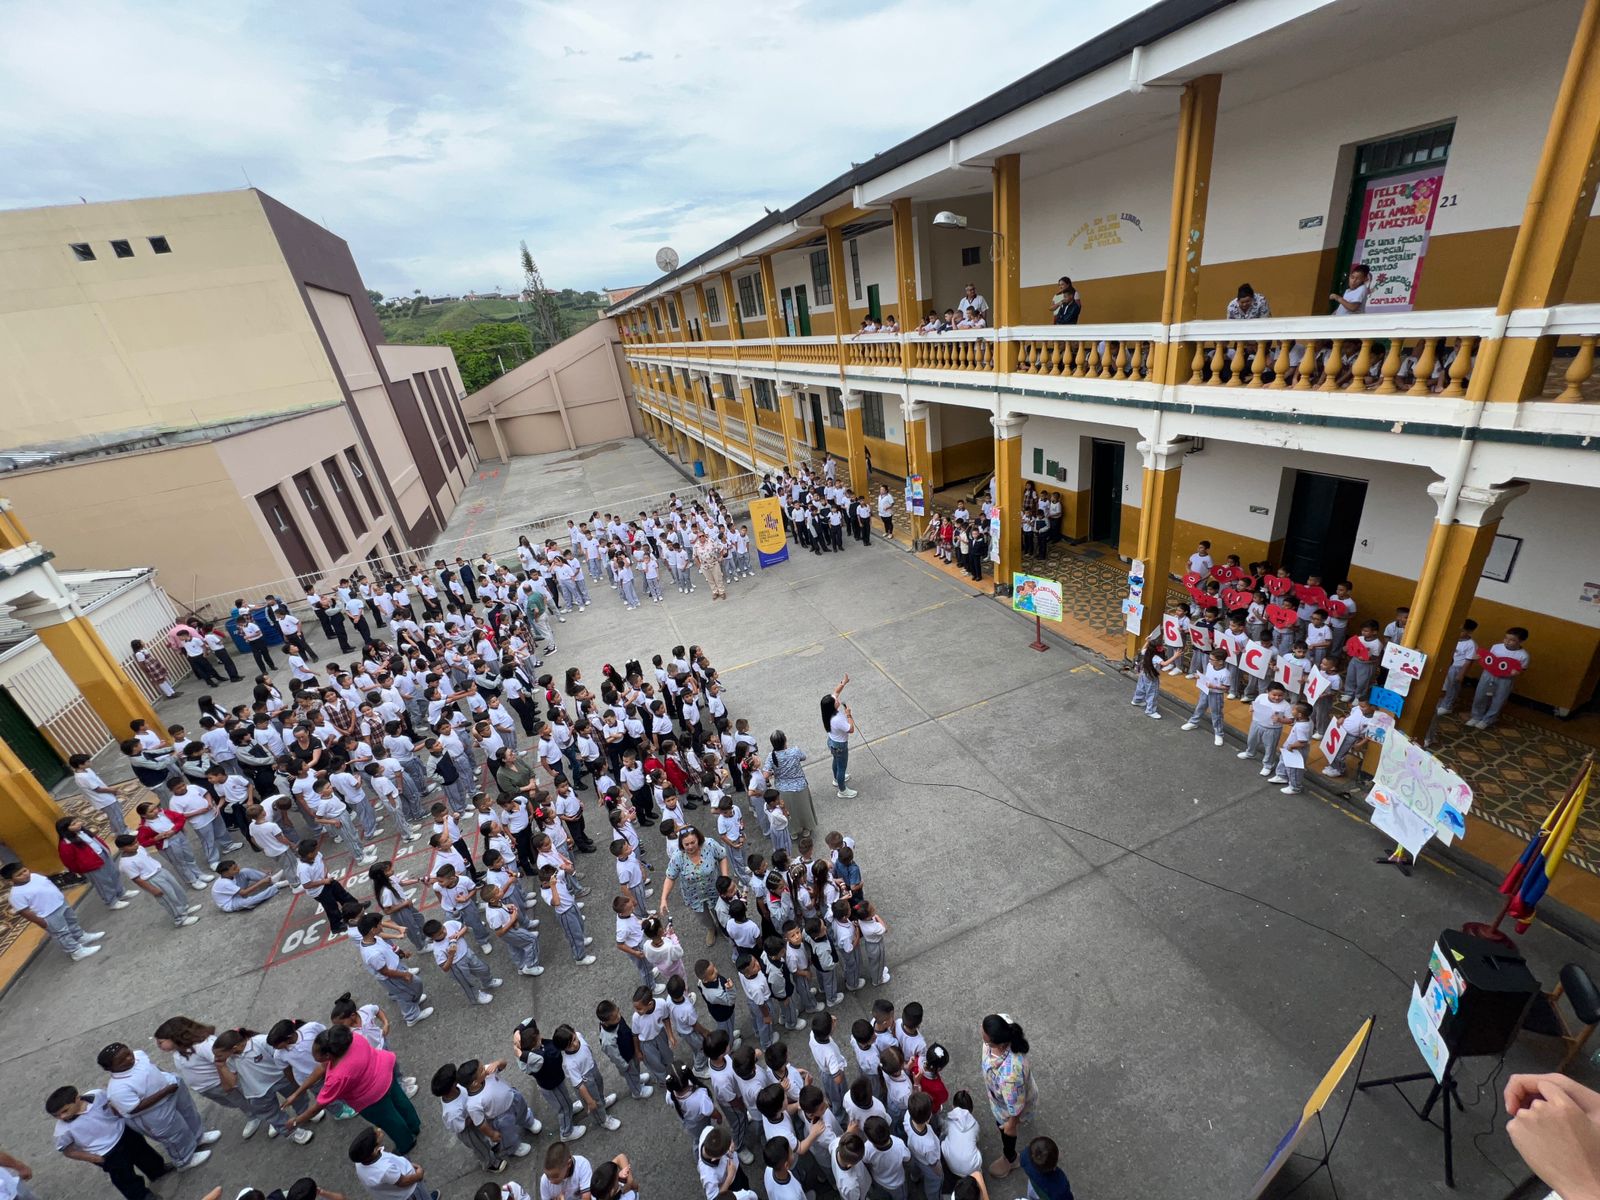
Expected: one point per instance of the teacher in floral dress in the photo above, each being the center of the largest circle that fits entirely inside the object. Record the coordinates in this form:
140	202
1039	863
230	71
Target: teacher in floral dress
1009	1083
708	555
694	867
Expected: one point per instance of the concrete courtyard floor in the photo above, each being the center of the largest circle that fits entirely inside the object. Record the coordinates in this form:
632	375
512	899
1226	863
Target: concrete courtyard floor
1037	846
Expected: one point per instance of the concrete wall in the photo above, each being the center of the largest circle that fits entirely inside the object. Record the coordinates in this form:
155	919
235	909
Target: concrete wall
212	331
574	394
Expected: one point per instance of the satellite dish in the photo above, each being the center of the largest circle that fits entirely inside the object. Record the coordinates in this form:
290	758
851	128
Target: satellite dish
667	259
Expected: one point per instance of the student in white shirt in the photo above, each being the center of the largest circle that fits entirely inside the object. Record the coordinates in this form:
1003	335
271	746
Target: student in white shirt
1494	690
172	1121
39	902
1353	301
1269	713
1200	562
98	792
147	873
1462	656
1213	686
239	889
385	1174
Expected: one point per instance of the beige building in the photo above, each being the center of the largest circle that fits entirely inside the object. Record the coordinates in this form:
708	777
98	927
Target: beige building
574	394
200	384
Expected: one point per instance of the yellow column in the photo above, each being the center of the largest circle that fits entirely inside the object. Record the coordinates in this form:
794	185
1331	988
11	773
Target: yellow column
28	815
1008	493
1191	186
1557	212
730	297
1008	266
793	443
705	318
1444	594
12	533
839	281
747	404
676	301
918	462
855	441
769	294
1158	518
905	271
76	645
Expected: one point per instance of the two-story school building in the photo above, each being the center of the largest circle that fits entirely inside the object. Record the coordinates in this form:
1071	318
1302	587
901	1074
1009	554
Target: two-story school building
1440	448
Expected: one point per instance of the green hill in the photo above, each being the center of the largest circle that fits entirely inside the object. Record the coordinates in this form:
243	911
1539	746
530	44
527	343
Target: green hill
399	325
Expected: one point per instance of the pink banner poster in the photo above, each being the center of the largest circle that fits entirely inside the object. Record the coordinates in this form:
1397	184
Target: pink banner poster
1396	217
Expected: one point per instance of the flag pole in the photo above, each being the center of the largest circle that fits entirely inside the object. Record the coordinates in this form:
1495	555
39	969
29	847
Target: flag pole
1492	930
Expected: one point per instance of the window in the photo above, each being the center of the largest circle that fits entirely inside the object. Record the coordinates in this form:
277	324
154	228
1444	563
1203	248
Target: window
672	313
655	317
751	303
122	248
872	414
971	256
835	409
713	307
821	284
1408	150
342	494
766	394
160	246
855	269
84	251
362	482
389	544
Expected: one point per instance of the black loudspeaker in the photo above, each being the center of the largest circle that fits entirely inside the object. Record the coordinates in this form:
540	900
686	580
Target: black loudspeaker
1497	990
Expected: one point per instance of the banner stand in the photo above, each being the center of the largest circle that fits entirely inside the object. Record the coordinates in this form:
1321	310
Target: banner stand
1038	635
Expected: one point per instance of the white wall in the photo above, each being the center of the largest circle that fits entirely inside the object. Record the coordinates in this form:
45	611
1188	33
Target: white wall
1068	443
875	252
946	275
792	269
1278	160
1073	218
1560	553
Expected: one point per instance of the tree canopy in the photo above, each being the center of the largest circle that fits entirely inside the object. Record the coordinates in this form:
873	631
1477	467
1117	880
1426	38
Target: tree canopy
485	352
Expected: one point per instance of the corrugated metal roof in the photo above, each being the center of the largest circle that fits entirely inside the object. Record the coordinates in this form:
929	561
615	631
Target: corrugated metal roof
92	588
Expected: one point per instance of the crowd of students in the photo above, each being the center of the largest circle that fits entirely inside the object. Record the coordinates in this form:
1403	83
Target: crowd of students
452	732
1292	652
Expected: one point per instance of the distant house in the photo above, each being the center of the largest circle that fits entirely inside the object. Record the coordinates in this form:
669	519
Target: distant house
618	295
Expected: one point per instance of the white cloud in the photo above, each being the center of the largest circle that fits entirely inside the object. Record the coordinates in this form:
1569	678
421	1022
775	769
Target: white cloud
433	141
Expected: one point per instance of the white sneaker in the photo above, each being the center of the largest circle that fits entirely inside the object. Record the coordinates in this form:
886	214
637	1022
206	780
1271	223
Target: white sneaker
577	1132
483	997
1233	695
1153	716
198	885
586	960
1278	779
408	1085
611	1098
486	949
645	1077
198	1157
1333	773
194	908
210	1136
658	989
577	1107
848	794
530	971
645	1092
1290	791
301	1136
588	941
496	982
612	1122
250	1127
746	1157
129	894
115	904
1216	739
1186	726
1264	772
1244	754
421	1016
537	1125
83	952
95	936
189	920
523	1150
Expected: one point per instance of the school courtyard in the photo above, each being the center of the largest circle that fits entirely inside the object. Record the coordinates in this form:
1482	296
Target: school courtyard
1187	948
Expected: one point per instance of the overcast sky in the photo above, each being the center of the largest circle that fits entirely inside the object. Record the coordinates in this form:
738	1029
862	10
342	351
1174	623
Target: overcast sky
433	137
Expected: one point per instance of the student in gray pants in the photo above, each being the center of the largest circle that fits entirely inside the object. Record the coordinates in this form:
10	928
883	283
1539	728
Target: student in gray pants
1264	736
452	954
452	1099
159	882
566	907
522	944
619	1045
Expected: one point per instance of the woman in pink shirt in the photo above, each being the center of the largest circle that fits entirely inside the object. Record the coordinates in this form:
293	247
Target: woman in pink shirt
366	1079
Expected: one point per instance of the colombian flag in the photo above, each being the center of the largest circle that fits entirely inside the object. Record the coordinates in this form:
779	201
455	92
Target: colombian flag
1530	877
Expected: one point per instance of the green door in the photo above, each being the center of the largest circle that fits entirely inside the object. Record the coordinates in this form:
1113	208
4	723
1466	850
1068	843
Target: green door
874	306
31	746
802	310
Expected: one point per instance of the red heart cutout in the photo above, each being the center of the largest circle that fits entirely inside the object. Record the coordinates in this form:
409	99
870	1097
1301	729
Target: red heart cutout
1277	585
1310	594
1335	606
1499	666
1282	618
1357	649
1226	573
1235	599
1192	580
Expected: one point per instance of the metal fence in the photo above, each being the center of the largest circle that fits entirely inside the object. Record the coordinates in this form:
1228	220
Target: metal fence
500	542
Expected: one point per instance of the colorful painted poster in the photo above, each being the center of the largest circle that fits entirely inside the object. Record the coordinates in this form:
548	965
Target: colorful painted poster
1403	660
1437	1001
1036	596
766	522
1414	796
1446	977
1426	1035
1396	218
994	534
1134	612
1136	579
1388	701
916	499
